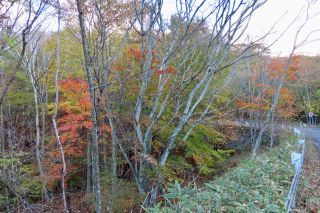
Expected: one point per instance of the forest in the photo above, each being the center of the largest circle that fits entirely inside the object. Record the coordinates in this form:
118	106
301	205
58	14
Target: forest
123	106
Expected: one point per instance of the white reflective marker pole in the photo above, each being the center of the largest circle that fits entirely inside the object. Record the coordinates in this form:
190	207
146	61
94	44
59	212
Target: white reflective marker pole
297	161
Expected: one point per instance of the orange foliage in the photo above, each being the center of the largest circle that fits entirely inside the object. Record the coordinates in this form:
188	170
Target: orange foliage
136	55
263	101
279	65
74	125
169	70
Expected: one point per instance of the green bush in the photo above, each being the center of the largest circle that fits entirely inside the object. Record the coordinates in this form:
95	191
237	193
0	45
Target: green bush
200	145
198	154
19	176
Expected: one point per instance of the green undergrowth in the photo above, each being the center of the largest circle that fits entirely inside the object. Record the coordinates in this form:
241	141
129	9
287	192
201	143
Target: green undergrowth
259	185
197	155
17	178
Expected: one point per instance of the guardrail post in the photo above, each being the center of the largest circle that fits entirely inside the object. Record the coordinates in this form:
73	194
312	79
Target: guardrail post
297	160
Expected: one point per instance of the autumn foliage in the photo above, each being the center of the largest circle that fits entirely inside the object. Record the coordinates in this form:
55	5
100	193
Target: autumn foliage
280	65
266	87
135	55
74	125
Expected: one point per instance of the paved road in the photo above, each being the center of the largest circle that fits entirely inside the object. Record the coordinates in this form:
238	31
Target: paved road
312	134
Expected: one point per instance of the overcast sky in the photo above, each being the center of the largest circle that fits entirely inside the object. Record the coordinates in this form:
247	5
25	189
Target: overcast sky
285	10
266	16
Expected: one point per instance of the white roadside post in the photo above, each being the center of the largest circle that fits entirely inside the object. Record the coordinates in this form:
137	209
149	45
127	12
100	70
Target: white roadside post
297	161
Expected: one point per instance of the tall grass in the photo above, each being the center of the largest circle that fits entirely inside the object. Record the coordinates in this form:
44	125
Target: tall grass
254	186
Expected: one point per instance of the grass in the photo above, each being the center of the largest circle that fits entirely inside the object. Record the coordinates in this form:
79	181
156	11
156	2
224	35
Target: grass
254	186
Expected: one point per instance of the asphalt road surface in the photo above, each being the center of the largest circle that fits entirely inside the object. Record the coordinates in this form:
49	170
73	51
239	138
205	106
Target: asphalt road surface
312	134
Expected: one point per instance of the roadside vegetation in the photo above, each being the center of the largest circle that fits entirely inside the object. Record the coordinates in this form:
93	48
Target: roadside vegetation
259	185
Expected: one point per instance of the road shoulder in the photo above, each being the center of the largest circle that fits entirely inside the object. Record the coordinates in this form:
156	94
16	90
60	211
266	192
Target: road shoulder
308	199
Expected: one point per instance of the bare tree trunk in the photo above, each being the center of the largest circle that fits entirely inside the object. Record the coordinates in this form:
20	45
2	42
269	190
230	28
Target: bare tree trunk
95	152
88	176
10	131
114	140
38	142
272	131
114	155
270	112
252	123
43	125
1	130
105	156
55	126
64	169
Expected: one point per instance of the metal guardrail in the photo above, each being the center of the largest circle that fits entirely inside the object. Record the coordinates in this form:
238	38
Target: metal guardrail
297	161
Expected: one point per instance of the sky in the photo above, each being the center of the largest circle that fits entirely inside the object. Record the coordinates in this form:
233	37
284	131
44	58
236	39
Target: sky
282	12
286	11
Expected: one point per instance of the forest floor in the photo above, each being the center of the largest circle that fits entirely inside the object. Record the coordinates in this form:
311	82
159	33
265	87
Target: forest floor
308	198
76	201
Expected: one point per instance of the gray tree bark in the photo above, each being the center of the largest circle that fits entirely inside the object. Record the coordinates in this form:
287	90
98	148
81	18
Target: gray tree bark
55	125
95	152
1	129
38	141
88	164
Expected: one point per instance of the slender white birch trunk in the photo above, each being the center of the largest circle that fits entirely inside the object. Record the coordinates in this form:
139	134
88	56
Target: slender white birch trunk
55	126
